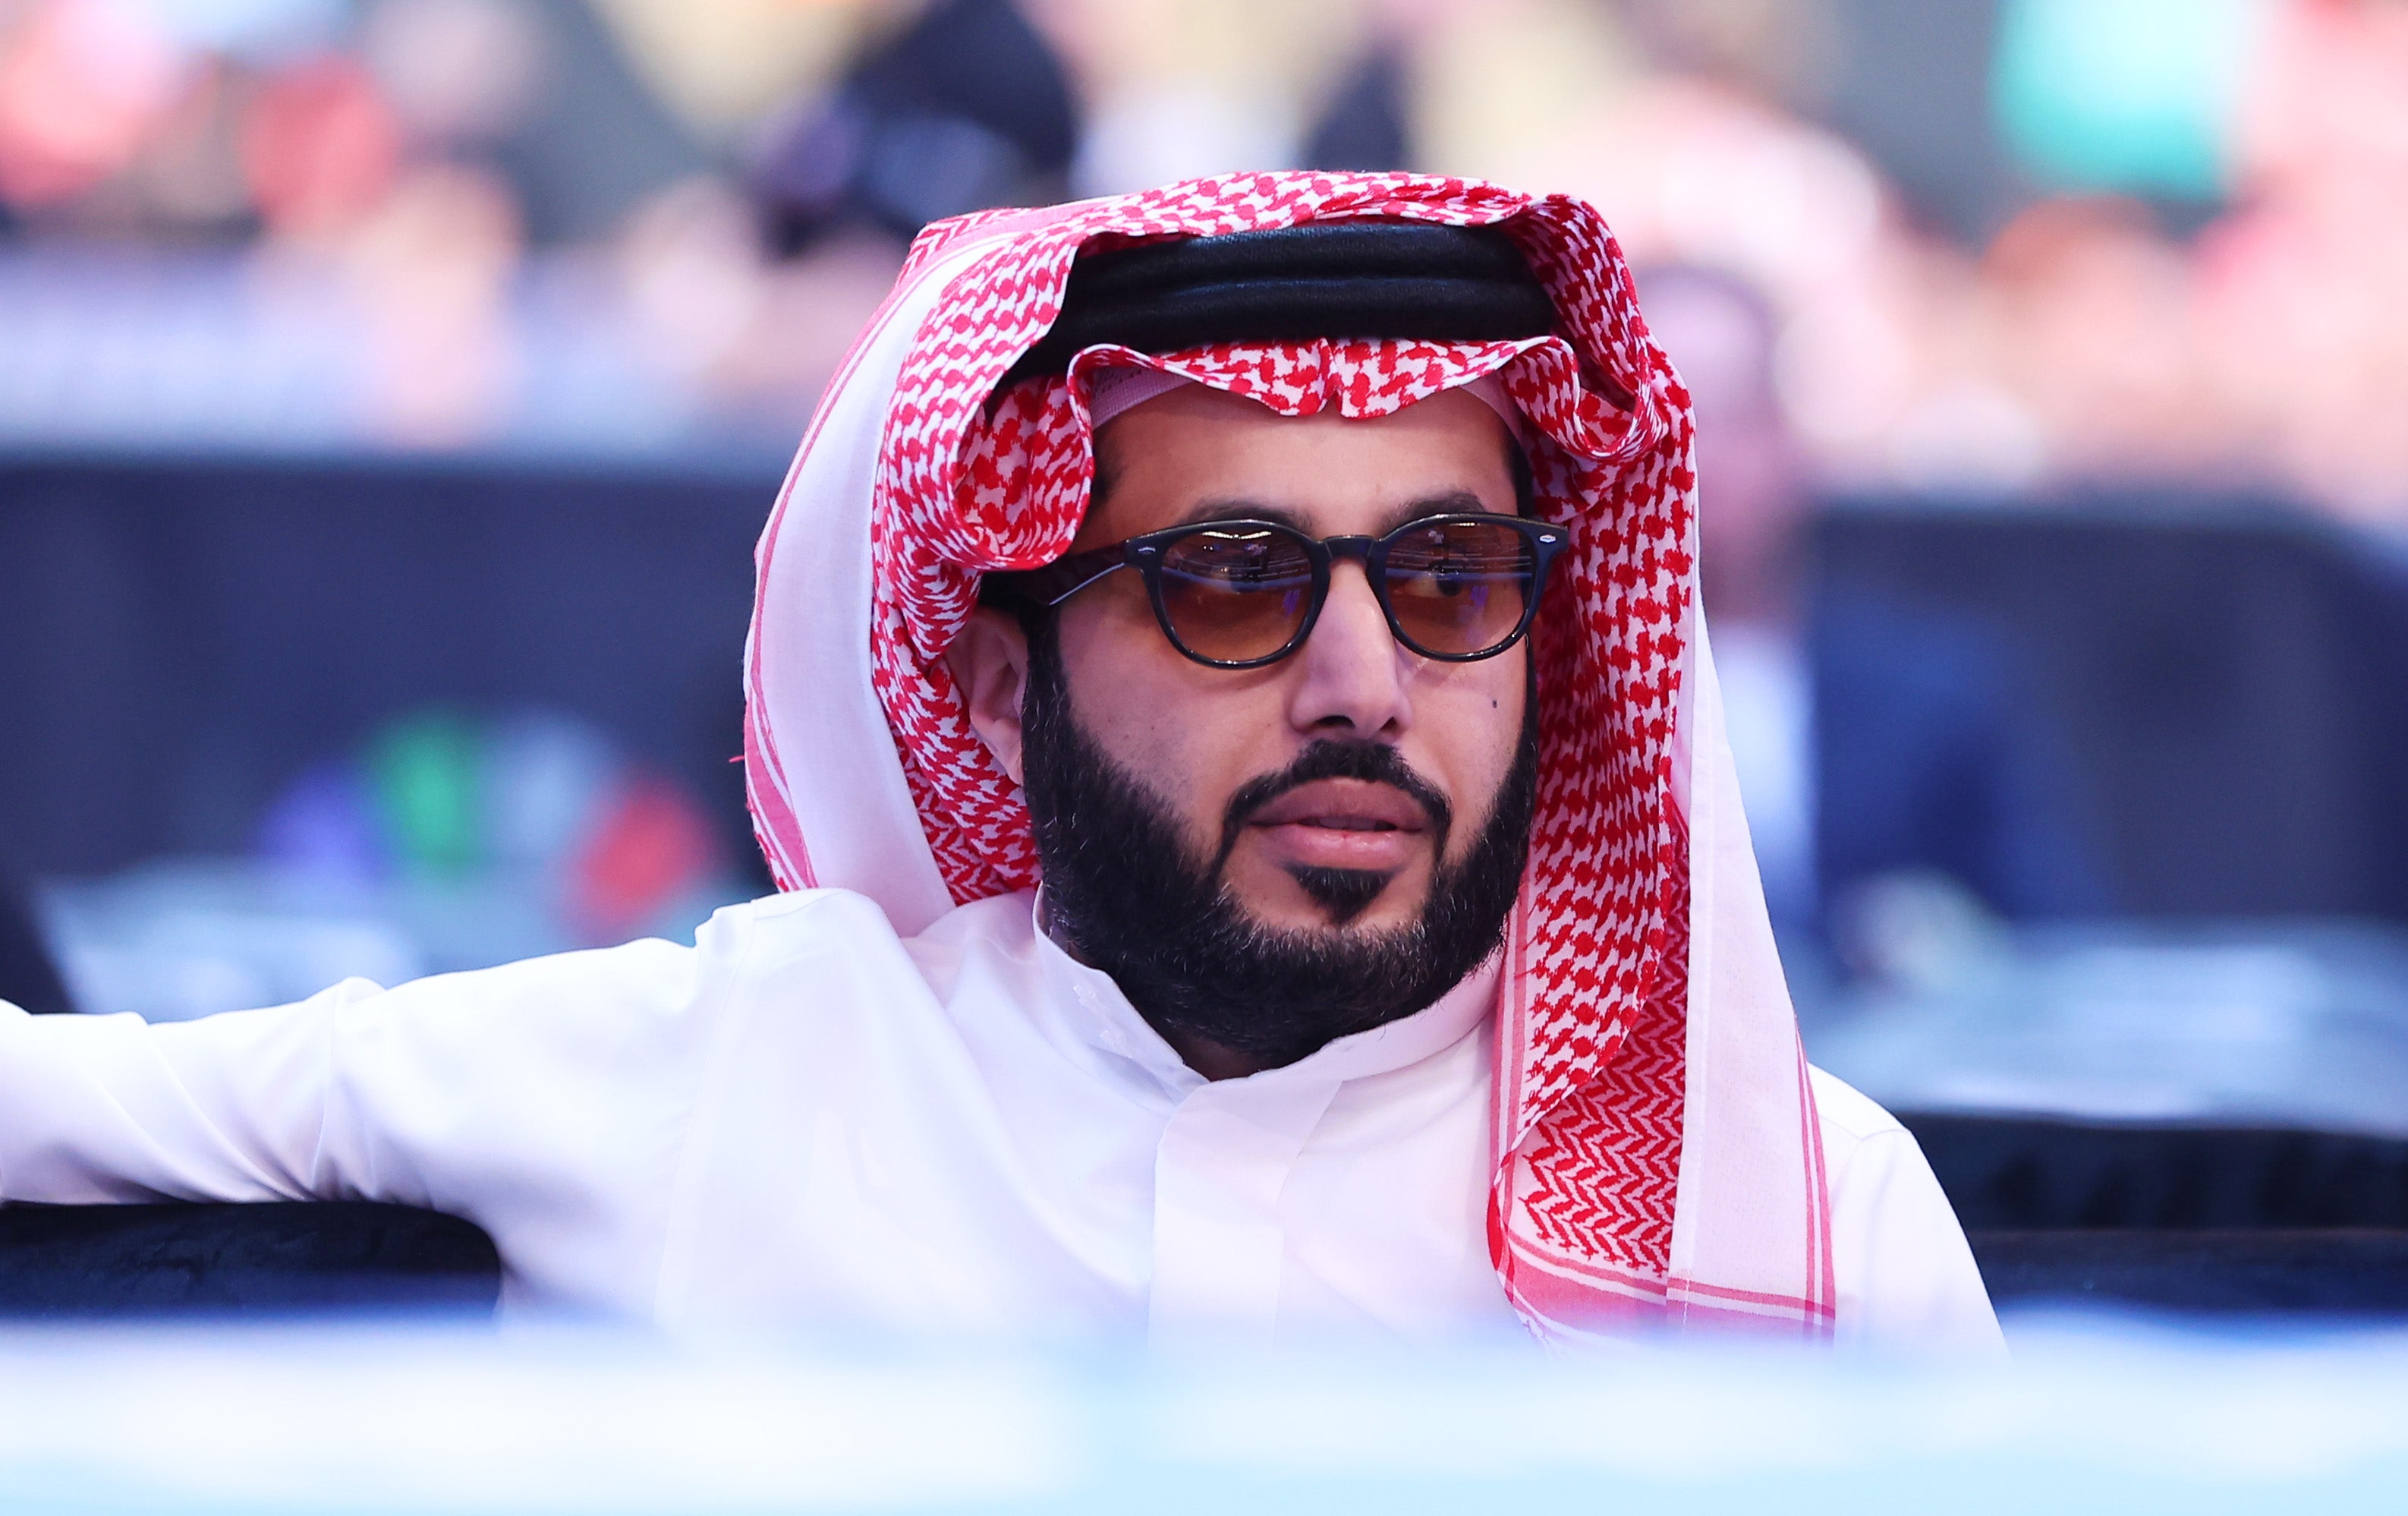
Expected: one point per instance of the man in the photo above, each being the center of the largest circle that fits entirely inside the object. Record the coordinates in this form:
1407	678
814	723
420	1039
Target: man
1400	964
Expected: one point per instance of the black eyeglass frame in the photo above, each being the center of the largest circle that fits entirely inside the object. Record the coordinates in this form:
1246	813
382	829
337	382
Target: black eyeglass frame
1057	582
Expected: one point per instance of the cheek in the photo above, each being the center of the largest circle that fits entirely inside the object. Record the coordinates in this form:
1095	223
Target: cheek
1189	733
1117	676
1473	723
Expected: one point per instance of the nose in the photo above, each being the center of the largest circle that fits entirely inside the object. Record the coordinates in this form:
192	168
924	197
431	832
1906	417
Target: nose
1352	670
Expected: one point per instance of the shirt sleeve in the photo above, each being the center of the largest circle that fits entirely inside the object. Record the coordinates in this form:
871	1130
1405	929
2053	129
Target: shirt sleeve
1906	1277
456	1091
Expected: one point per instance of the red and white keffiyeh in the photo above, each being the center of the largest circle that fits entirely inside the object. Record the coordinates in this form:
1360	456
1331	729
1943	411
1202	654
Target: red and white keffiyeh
1659	1158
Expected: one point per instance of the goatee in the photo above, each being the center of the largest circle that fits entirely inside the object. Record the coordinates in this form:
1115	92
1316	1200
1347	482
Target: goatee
1126	894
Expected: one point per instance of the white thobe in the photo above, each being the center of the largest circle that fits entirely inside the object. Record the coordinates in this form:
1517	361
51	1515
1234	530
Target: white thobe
807	1119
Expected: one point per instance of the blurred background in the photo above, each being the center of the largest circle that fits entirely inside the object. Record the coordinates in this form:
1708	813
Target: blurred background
391	391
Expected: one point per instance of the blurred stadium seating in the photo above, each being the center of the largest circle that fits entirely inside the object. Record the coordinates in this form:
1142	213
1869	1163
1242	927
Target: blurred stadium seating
2230	676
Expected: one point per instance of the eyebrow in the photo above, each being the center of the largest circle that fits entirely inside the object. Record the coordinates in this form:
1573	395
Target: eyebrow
1452	502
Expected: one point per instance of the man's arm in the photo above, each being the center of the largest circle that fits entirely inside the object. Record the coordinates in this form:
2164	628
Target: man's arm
97	1108
447	1091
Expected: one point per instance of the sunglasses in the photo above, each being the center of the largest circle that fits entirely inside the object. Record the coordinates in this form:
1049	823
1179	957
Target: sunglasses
1241	594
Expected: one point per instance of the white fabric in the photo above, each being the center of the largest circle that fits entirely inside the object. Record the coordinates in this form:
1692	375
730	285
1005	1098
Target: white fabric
1747	1083
809	1119
1768	707
836	772
1111	391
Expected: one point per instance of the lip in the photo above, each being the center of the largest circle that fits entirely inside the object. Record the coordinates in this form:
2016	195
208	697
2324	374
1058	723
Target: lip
1345	805
1344	824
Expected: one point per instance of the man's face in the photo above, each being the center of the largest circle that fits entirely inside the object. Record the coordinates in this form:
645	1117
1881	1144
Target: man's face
1268	859
1356	855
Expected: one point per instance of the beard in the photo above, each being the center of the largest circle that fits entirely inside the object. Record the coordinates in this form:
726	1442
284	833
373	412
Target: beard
1126	895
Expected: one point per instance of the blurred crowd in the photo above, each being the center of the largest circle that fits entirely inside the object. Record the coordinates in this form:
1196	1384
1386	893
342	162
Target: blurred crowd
656	224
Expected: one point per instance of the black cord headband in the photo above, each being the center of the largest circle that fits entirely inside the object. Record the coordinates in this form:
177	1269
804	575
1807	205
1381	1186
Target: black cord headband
1331	278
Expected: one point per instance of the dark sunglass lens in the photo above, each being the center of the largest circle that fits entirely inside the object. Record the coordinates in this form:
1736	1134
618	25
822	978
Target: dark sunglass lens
1459	588
1234	594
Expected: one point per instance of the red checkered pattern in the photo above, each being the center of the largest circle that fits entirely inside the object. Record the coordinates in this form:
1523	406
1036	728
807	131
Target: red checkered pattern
1592	1027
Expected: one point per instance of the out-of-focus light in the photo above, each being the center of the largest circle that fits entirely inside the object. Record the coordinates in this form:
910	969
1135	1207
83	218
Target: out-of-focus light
653	846
456	69
320	147
249	28
2124	94
721	63
1691	172
427	773
1181	131
82	84
1968	436
432	269
1847	369
1792	208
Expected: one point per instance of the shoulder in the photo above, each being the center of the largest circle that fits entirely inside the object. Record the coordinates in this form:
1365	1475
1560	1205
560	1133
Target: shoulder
809	948
1869	1158
1906	1277
792	912
1881	1185
825	947
798	929
1847	1113
594	998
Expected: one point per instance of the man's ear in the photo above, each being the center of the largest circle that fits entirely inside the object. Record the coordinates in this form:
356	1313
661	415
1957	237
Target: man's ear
989	661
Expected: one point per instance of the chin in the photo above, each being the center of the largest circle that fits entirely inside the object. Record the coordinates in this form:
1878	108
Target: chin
1391	911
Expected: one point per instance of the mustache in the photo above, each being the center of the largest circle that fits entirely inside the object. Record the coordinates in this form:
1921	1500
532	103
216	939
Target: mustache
1331	758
